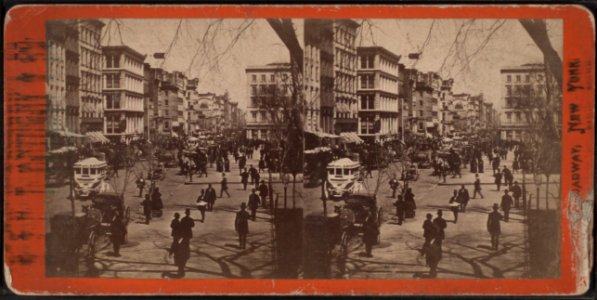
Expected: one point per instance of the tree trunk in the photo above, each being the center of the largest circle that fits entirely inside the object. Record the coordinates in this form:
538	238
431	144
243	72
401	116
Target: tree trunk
537	30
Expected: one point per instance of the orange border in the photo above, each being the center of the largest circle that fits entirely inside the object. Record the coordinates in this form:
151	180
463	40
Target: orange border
24	212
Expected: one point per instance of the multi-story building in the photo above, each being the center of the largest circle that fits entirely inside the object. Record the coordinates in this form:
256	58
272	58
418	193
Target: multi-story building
56	78
123	76
378	88
426	103
269	92
71	47
91	113
446	98
525	92
319	75
460	108
345	73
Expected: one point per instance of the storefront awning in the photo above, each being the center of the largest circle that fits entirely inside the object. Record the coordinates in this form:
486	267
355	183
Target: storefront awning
97	137
67	133
351	137
63	150
321	134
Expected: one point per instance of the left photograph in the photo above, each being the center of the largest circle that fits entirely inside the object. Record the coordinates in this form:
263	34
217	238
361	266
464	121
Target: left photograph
174	148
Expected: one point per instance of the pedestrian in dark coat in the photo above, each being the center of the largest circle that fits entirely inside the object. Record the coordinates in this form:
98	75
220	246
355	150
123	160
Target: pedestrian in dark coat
496	165
400	209
477	187
242	162
261	165
480	164
516	194
394	184
409	199
224	186
263	192
210	197
498	180
506	205
463	198
244	178
493	226
186	225
175	232
241	225
118	233
429	230
440	225
253	204
147	205
454	205
508	177
226	164
370	233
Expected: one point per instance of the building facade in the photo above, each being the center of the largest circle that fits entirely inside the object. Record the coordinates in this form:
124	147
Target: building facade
123	92
525	93
378	92
345	74
55	76
269	92
91	112
319	74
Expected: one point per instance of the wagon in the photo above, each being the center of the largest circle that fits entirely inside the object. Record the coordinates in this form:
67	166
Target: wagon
101	213
352	216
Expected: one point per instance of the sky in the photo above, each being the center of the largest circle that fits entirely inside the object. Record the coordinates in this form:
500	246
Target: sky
219	58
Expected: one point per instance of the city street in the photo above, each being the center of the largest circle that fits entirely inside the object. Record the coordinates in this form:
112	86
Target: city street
214	246
466	248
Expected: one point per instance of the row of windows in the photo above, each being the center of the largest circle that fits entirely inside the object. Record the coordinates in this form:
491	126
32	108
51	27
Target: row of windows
272	77
90	59
90	82
344	37
344	83
527	78
345	60
89	37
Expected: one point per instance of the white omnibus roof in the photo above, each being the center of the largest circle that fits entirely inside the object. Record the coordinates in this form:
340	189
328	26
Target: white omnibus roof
90	162
344	163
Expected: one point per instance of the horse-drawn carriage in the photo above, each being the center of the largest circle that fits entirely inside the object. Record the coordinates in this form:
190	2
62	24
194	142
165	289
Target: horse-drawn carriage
352	216
80	236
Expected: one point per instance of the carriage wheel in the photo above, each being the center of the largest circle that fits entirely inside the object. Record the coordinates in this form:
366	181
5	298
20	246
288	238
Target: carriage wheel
379	222
91	241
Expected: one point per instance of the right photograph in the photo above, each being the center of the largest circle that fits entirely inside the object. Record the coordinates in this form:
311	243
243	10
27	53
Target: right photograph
432	148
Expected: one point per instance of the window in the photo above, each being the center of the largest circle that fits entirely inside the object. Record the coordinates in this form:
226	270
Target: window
166	102
166	112
367	62
112	61
112	101
509	116
509	90
367	81
272	78
253	78
263	78
509	78
527	78
112	81
517	78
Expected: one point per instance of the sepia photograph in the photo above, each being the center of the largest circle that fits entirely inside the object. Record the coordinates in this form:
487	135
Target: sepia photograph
303	148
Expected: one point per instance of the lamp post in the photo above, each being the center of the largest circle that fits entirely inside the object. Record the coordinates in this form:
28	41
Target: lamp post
285	181
538	180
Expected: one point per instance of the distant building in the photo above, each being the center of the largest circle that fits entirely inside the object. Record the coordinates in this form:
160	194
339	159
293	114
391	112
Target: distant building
55	76
345	73
378	88
123	93
319	75
269	94
91	108
525	92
